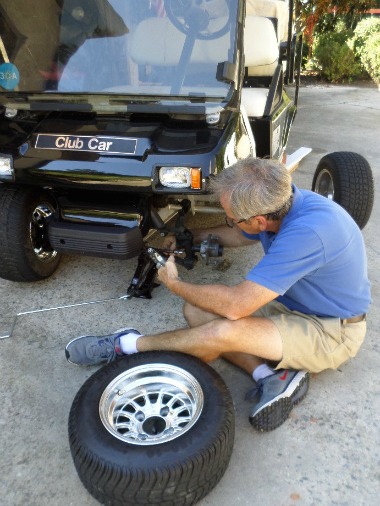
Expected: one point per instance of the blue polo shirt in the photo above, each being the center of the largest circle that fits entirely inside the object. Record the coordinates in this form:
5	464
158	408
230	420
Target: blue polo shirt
317	261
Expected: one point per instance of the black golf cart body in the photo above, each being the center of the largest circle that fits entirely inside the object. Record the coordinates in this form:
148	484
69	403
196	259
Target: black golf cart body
111	110
114	111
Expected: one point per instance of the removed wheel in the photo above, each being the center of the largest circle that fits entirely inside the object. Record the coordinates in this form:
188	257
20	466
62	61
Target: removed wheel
152	428
347	179
25	251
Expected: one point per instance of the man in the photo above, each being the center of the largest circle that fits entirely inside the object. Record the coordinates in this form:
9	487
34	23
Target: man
301	309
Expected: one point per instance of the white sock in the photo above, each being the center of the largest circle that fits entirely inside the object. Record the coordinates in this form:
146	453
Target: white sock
262	371
128	343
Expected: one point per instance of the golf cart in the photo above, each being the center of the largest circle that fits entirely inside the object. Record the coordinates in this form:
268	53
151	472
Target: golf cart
115	115
114	112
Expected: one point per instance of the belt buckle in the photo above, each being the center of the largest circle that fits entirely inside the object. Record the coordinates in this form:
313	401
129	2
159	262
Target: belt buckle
354	319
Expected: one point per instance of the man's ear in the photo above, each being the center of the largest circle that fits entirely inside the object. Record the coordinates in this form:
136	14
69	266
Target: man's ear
262	222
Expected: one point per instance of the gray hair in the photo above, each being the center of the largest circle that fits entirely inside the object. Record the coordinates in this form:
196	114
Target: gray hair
255	187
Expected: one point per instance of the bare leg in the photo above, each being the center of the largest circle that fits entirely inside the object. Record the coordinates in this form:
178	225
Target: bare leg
217	336
246	362
195	317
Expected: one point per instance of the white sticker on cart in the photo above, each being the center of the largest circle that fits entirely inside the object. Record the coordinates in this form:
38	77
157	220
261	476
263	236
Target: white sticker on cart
9	76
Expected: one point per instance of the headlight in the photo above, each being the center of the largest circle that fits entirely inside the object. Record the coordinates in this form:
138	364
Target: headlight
6	167
181	177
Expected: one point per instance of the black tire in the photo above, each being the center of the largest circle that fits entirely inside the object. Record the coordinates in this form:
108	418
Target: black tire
25	251
347	179
152	458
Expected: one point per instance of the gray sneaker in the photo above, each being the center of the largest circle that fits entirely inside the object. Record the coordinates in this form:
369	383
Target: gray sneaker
278	393
92	350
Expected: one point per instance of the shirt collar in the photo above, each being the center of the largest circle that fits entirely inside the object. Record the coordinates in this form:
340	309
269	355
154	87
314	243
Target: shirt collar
296	205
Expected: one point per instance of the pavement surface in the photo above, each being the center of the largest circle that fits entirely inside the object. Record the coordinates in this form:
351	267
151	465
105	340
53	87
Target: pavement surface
327	453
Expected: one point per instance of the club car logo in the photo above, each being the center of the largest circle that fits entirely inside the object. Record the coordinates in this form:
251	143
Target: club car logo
105	145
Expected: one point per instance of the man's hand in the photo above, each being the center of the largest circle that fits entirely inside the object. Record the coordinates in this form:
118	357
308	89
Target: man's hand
168	274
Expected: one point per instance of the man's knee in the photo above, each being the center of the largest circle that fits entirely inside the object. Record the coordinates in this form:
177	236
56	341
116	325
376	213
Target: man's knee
220	334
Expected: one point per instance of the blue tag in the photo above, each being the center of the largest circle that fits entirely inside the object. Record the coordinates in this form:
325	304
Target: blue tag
9	76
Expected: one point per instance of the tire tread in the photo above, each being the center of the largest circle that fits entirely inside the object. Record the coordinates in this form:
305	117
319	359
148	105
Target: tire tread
353	182
174	484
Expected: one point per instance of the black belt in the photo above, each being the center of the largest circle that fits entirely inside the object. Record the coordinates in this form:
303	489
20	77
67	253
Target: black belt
354	319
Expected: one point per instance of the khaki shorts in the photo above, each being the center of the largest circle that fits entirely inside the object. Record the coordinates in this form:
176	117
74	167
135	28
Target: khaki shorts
311	343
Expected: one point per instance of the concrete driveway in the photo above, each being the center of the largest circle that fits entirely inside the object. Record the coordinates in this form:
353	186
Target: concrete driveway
327	453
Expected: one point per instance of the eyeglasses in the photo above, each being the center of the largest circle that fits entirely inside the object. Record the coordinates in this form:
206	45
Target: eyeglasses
231	222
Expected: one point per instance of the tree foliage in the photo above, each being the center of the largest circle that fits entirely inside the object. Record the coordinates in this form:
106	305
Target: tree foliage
315	17
366	44
313	12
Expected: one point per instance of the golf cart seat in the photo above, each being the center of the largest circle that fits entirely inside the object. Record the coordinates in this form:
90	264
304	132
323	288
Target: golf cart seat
152	46
276	10
157	35
261	51
261	47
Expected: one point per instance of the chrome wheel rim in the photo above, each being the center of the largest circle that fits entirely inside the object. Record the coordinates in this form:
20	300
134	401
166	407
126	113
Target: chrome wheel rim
38	231
324	184
151	404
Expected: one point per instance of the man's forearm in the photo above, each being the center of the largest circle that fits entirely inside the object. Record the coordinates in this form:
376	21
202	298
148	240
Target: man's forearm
211	298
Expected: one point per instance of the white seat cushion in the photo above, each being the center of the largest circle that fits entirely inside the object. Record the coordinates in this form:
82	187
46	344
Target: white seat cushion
253	100
156	41
261	49
278	9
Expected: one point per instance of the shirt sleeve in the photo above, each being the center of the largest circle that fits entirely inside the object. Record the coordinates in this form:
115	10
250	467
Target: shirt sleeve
294	254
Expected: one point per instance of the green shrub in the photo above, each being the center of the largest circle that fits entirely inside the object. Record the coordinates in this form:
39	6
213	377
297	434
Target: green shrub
366	45
333	57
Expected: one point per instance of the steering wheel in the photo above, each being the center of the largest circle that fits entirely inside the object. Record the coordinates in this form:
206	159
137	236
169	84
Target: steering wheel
194	17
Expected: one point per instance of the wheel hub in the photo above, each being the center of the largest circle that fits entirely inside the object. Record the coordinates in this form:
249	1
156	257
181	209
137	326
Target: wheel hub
151	404
154	425
324	185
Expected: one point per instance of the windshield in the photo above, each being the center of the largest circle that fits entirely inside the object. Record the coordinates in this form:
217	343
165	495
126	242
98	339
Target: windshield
128	47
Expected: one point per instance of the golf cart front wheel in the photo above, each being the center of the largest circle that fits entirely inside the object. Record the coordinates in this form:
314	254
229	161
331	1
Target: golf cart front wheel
152	428
25	250
347	179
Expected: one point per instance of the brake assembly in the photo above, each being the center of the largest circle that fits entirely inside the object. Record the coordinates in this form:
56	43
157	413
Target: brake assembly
151	259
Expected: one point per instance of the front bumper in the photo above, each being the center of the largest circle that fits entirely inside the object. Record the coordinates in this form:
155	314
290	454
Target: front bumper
96	240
